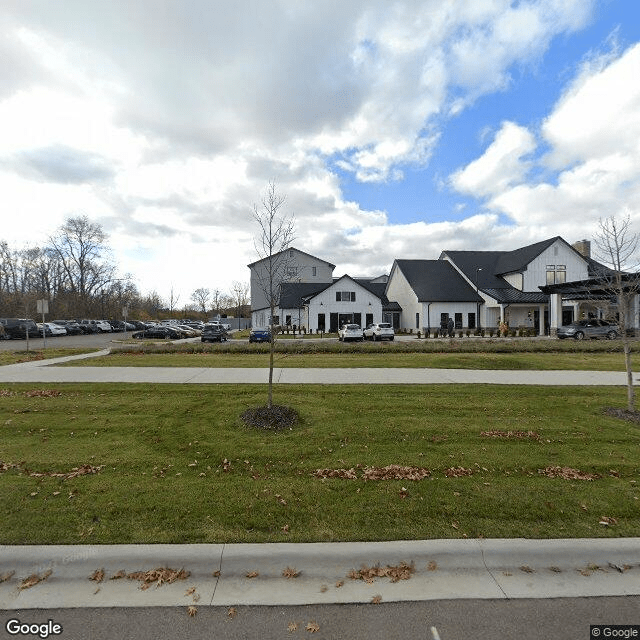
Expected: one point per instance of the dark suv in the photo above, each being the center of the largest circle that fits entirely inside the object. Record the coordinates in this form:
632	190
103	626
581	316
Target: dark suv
213	333
18	328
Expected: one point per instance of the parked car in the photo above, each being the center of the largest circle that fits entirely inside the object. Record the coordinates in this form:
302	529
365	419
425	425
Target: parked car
350	332
213	333
224	325
52	329
260	334
100	326
19	327
73	328
158	333
379	331
592	328
119	325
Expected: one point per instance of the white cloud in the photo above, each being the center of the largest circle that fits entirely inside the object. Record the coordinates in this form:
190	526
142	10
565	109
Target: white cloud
500	166
592	169
165	120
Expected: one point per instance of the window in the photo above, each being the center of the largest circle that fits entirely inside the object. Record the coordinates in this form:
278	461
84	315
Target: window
556	273
471	320
458	321
314	271
345	296
417	320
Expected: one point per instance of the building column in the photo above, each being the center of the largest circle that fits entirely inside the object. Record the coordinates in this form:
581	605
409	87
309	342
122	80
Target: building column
555	313
541	310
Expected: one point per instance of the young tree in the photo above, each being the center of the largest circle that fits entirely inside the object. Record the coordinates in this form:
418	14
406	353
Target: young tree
617	247
276	233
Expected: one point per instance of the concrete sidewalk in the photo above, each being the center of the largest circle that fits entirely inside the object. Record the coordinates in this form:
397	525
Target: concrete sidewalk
219	574
47	371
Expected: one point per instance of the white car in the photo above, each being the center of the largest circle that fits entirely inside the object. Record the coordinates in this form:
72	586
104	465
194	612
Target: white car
52	329
350	332
379	331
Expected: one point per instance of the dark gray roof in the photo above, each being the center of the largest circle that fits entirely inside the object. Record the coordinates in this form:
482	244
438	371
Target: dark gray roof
296	294
518	259
293	249
513	296
480	267
437	281
293	294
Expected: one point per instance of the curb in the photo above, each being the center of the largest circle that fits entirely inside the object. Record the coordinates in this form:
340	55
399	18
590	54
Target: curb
252	574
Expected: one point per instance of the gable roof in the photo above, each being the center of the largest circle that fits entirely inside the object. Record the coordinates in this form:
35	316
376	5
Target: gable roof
297	294
275	255
436	281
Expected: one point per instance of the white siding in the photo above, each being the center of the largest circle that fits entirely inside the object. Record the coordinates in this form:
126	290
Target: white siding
438	308
399	290
300	267
325	302
558	253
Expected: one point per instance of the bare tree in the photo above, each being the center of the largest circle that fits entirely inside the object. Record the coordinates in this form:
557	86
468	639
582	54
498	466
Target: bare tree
239	297
173	300
216	296
201	298
80	246
617	247
275	236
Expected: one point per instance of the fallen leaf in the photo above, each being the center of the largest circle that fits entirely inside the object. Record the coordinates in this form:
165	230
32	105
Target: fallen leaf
432	566
158	576
252	574
34	579
290	572
324	588
567	473
527	569
312	627
376	599
339	584
121	574
216	574
6	576
232	612
190	591
607	521
191	610
97	575
292	626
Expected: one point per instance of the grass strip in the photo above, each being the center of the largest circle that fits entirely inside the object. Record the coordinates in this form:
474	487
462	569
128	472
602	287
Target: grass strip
173	464
545	361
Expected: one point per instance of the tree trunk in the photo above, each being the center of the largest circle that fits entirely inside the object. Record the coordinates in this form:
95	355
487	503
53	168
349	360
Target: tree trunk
631	393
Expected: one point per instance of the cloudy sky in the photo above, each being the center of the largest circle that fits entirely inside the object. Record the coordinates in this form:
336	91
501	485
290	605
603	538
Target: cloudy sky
395	129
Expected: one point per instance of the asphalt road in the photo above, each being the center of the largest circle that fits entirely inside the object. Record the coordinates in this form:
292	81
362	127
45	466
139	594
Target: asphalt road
555	619
98	341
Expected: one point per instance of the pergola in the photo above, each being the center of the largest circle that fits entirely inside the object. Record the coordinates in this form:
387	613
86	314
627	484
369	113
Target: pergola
618	292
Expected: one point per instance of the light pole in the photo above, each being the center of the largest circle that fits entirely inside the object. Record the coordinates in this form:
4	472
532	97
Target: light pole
478	269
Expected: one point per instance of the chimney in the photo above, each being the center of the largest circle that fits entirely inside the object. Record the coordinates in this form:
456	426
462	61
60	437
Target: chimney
583	247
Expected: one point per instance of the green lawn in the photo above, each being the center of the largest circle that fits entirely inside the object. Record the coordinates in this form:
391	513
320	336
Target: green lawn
216	357
14	357
161	450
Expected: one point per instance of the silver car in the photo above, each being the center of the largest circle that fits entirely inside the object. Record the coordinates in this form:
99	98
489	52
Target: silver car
592	328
